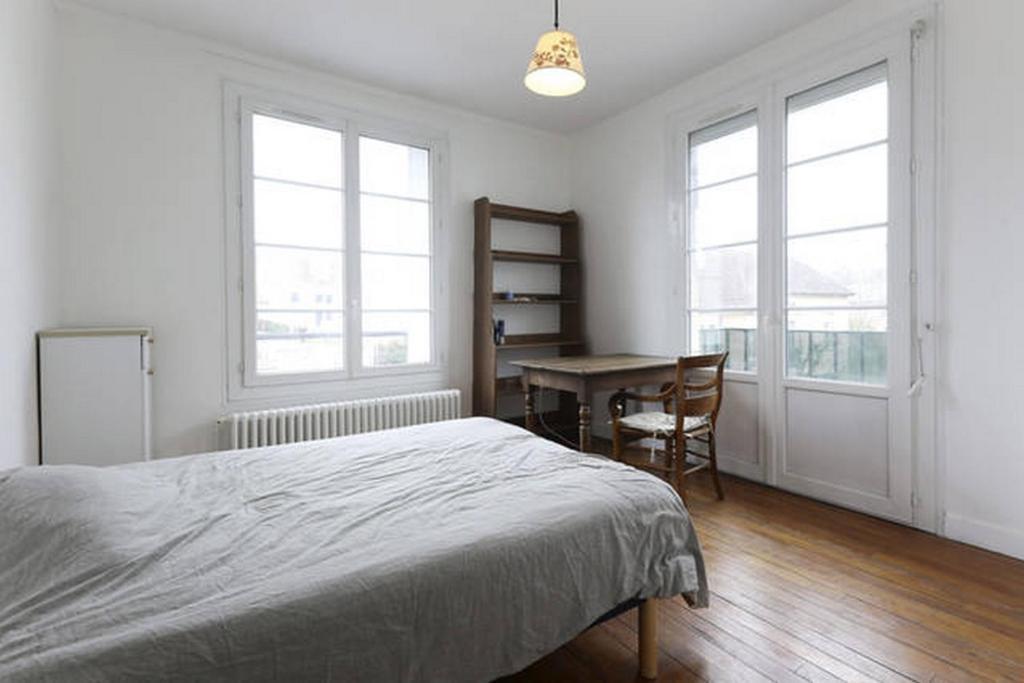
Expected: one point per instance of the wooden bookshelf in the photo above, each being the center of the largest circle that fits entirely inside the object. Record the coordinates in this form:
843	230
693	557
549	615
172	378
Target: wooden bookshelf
569	340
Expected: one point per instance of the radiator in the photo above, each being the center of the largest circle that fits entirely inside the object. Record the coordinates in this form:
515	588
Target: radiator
328	420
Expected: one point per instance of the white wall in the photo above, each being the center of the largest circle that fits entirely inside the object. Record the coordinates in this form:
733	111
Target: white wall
27	196
982	363
620	170
143	231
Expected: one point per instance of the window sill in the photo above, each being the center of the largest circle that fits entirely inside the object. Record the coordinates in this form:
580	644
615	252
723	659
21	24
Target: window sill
746	376
395	381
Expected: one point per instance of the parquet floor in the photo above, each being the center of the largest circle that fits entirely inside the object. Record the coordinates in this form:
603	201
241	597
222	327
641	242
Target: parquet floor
803	591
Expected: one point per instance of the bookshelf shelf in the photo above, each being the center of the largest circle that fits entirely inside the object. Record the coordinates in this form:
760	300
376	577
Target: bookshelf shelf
530	257
532	300
537	344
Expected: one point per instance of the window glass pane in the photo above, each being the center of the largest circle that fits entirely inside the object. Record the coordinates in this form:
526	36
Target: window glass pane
393	169
732	331
396	245
838	269
723	158
297	152
858	118
298	279
396	282
839	192
396	339
306	323
847	346
298	215
724	278
724	214
395	225
841	270
310	354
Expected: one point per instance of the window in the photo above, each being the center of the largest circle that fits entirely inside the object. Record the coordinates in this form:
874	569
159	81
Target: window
722	246
837	200
337	248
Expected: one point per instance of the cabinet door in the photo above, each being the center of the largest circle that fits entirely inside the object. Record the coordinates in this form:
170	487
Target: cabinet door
92	398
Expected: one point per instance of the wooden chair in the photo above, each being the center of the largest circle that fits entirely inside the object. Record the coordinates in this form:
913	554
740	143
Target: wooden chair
690	412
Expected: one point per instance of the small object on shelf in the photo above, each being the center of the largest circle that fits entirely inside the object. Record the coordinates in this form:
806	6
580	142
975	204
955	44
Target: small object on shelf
509	295
499	332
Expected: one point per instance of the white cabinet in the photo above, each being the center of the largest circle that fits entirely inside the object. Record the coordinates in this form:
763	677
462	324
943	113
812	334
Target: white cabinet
94	396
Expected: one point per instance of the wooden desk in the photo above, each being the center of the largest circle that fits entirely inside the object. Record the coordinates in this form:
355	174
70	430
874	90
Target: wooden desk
584	375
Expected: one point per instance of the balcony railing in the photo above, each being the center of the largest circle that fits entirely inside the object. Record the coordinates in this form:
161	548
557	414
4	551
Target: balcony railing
816	354
741	345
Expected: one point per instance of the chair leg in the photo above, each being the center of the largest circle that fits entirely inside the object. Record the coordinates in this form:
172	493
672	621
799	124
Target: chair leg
713	465
670	458
679	465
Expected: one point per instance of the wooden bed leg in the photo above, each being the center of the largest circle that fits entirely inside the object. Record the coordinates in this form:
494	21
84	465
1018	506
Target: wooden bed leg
648	645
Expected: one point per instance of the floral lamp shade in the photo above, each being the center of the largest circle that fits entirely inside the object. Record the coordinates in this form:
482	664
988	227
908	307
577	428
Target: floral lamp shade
556	69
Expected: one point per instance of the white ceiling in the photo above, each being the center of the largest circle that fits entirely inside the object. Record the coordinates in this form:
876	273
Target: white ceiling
473	53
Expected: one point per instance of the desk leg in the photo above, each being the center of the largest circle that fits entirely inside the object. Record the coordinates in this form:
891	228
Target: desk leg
585	425
528	413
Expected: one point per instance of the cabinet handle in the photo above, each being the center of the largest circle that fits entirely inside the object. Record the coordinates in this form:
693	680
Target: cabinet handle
151	372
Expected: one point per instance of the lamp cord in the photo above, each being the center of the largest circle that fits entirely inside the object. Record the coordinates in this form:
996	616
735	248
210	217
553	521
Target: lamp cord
556	15
543	423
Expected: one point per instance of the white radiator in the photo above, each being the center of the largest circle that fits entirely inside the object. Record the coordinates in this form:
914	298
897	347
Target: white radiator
328	420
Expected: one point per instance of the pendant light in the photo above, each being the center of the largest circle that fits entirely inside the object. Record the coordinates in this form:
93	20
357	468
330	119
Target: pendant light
556	69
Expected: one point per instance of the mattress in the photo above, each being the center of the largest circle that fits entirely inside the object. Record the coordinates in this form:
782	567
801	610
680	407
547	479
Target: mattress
455	551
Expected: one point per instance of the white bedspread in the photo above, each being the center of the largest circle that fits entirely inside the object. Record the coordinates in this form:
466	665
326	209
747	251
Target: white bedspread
456	551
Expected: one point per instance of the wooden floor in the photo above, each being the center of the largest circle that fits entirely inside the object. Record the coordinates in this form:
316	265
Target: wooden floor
806	591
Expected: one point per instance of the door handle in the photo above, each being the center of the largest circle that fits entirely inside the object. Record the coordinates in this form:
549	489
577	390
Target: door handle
918	383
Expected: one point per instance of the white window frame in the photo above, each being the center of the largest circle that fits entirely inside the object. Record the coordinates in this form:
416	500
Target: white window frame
681	126
715	118
768	95
898	224
354	379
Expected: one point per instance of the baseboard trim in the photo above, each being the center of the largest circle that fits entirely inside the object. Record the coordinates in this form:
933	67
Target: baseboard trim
741	468
986	535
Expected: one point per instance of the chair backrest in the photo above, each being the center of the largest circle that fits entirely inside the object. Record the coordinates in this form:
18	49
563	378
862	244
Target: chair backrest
700	395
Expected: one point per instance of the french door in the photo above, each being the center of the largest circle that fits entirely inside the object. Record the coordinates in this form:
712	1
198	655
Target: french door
810	290
843	413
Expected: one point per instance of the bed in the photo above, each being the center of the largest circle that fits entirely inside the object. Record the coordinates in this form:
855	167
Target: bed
457	551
